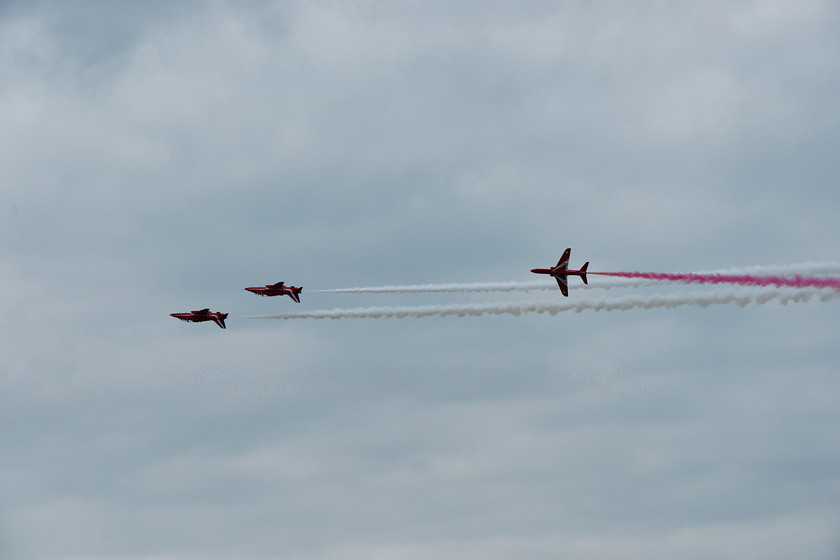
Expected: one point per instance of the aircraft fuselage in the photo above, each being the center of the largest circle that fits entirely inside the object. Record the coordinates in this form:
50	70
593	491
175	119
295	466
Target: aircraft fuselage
278	289
554	272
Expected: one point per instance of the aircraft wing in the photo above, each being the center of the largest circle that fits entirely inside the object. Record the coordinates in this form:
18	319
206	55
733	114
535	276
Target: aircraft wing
564	286
563	263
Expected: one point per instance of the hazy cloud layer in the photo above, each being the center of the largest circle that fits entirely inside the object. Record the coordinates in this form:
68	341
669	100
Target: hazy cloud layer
162	158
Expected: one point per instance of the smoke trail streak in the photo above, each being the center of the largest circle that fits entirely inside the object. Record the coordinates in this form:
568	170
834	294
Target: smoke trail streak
477	287
740	279
703	299
810	268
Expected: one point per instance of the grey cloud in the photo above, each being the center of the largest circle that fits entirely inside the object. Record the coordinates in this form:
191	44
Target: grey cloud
161	159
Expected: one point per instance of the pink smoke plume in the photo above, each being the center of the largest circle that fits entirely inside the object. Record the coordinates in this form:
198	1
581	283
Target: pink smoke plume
740	279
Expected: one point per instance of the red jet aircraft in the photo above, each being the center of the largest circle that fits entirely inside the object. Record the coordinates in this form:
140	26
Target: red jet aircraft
278	289
561	272
202	315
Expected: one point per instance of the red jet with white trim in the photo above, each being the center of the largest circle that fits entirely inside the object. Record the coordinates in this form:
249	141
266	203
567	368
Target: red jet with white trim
561	272
278	289
202	315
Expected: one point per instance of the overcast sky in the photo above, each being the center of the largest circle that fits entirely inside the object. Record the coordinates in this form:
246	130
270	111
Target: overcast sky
162	157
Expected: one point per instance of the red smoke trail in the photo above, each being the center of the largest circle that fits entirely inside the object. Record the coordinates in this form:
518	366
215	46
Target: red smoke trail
741	279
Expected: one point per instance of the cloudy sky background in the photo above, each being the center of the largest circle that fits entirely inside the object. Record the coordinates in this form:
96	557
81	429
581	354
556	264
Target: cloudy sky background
161	158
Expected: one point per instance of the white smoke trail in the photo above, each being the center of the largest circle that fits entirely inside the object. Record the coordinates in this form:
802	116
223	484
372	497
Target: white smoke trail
481	287
703	299
812	268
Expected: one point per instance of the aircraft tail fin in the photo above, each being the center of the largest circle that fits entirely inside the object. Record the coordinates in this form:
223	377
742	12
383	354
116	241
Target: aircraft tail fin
583	272
221	320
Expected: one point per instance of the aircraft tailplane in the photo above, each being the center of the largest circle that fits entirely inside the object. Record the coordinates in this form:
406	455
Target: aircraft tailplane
583	272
